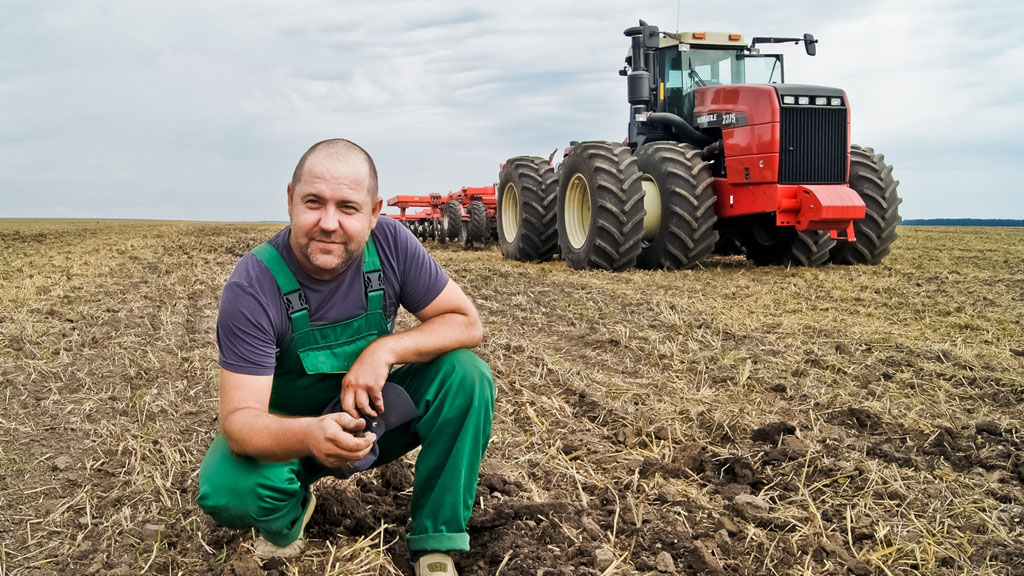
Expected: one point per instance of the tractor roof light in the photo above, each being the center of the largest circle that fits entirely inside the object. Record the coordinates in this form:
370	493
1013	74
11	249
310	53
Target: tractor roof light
700	35
803	100
821	101
789	100
735	37
836	102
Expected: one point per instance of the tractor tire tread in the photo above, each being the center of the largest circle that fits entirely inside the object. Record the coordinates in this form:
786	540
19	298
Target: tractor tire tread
616	227
872	179
687	231
452	226
537	185
479	232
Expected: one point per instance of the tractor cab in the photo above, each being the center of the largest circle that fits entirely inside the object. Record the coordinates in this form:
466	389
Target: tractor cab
686	70
675	66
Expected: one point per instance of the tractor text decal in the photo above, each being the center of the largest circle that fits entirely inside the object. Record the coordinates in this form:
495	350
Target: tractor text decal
721	120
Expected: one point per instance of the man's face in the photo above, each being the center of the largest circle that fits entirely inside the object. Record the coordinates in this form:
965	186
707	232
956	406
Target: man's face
331	214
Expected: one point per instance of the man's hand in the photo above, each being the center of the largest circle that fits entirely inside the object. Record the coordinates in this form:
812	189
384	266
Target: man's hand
449	322
361	386
338	439
250	429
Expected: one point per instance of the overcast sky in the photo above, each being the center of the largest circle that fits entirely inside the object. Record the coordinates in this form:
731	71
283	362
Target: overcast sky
200	109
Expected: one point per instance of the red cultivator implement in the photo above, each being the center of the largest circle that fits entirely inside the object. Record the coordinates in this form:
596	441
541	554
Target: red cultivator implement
466	216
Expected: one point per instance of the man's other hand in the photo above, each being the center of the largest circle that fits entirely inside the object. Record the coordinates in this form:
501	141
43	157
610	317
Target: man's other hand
361	387
338	439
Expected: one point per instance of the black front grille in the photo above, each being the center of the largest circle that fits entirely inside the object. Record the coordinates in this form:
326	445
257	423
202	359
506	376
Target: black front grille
813	145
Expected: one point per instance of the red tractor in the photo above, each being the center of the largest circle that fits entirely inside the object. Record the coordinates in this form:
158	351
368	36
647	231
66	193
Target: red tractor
722	155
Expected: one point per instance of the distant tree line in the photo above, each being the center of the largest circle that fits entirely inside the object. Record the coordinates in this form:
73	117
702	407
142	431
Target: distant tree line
962	222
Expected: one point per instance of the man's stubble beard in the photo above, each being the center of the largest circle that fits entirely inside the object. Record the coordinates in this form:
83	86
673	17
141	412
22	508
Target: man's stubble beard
328	263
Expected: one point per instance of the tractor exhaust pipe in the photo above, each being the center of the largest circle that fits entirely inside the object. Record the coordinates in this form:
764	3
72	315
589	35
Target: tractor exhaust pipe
689	133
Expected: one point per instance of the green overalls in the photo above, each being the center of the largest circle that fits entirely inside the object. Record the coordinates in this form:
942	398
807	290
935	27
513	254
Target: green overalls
454	395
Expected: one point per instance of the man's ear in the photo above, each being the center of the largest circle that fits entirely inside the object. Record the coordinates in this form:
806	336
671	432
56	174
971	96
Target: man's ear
291	193
378	205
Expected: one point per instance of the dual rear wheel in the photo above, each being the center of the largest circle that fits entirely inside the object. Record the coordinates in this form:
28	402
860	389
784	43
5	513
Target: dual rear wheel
600	207
614	210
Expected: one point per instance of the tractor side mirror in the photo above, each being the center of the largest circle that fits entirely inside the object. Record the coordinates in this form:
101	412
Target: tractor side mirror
810	44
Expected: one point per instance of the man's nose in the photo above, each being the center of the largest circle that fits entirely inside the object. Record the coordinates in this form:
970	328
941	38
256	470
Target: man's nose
329	219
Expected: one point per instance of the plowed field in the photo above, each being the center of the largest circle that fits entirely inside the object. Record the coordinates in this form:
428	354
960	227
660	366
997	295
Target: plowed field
727	420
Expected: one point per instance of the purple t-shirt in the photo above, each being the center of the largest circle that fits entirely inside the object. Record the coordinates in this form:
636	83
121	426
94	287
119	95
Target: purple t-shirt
253	325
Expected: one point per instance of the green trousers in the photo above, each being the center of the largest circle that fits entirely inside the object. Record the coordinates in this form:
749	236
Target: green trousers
454	395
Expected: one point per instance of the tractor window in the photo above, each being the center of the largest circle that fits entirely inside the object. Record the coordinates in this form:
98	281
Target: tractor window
763	68
691	69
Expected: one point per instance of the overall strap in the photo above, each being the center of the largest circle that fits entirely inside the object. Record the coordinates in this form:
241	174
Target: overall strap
373	278
294	299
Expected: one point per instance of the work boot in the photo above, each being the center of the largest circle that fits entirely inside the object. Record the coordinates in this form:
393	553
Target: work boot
435	564
266	549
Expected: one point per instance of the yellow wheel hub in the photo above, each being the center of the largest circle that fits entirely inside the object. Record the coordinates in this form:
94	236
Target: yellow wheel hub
577	211
510	216
652	204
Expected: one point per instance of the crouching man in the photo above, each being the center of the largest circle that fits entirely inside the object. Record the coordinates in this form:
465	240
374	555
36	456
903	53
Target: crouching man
306	320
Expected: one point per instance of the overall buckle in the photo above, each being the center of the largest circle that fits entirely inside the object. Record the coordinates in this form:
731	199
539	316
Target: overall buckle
295	302
373	281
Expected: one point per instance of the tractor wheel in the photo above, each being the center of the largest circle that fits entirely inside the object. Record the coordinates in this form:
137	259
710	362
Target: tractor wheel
600	207
527	190
872	179
728	242
478	232
679	228
767	244
451	221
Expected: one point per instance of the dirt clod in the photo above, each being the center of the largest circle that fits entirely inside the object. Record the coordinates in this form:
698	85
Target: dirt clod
773	432
988	427
603	559
592	529
703	559
242	567
750	507
726	523
665	564
791	448
63	462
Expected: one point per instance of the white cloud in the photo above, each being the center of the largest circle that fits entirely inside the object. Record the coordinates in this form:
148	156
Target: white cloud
199	110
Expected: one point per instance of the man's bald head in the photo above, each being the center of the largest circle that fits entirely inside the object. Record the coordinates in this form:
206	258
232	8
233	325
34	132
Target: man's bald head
339	149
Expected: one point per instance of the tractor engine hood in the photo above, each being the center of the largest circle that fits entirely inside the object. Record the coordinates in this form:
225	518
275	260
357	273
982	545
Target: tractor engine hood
785	149
738	105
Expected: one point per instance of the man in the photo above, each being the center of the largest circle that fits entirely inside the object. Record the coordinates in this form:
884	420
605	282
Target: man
307	318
